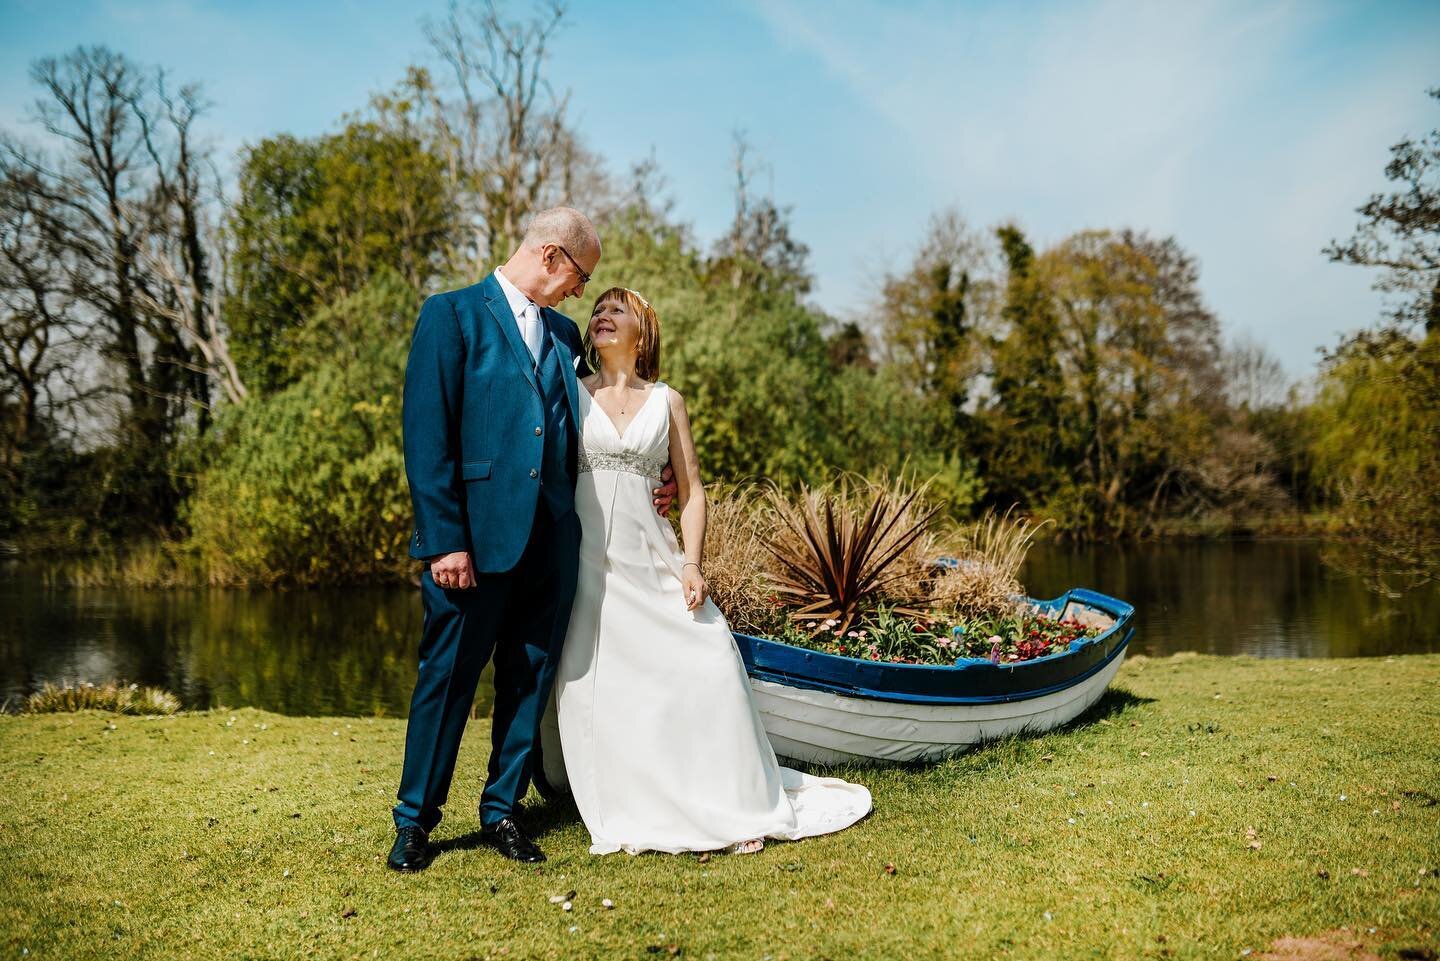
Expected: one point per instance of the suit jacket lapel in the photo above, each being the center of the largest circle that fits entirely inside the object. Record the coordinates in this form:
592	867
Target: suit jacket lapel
500	312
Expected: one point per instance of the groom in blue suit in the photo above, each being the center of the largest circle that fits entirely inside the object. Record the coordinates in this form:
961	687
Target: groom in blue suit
491	439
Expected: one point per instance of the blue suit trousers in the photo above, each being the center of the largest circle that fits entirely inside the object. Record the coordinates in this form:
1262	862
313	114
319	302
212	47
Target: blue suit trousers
519	618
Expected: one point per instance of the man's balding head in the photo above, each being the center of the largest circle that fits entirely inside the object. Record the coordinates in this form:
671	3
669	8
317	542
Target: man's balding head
567	227
559	252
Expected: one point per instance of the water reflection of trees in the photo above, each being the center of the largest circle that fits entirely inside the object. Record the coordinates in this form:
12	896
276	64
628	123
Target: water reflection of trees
1269	598
303	652
316	653
354	652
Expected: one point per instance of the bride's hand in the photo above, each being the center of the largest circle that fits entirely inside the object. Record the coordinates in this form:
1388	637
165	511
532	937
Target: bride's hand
696	590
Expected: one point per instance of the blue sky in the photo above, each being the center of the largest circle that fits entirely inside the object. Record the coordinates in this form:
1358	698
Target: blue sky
1250	131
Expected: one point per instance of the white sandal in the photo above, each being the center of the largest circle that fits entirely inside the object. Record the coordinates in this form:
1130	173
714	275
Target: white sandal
747	847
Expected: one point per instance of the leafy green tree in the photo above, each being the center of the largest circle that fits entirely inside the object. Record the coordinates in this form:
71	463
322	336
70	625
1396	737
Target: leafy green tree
1029	437
1136	354
1377	447
306	485
317	219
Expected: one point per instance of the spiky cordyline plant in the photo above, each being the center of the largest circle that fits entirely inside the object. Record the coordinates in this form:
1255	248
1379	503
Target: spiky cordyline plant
837	548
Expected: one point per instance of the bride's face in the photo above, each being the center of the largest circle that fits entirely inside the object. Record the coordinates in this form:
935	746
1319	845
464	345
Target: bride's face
613	326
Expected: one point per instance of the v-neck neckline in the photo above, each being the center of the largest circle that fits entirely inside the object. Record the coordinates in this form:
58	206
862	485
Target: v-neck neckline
620	434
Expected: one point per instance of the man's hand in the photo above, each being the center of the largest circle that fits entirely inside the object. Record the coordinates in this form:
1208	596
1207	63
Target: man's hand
665	494
453	571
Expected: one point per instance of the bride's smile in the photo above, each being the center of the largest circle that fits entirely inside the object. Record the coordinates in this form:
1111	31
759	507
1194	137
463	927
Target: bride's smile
613	325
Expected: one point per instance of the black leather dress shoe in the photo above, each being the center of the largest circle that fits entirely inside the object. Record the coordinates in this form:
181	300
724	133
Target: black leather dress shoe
411	851
509	838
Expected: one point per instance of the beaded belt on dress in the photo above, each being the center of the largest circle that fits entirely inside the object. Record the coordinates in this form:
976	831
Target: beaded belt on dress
630	461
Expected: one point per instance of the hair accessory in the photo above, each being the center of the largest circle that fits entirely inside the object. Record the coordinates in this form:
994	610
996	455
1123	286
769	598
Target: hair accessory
642	299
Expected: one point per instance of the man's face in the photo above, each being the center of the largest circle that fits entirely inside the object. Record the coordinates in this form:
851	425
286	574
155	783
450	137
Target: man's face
566	273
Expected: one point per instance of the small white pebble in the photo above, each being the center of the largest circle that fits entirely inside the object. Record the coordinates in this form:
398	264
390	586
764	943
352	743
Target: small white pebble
244	740
1342	797
1144	804
573	929
607	903
334	733
1192	814
286	874
1070	820
1048	917
212	753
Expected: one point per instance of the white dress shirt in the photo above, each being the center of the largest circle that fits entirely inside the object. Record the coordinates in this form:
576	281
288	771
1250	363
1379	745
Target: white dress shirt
519	305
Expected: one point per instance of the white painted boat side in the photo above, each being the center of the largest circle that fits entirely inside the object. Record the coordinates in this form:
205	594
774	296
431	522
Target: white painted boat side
826	728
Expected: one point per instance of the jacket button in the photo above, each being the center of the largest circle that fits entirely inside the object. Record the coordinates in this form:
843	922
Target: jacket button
537	432
534	472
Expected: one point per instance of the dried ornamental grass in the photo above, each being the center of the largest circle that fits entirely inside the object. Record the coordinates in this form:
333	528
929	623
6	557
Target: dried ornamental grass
737	565
110	696
981	579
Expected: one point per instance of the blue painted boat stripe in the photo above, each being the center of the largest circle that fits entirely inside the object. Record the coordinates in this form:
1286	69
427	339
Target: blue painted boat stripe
809	684
968	681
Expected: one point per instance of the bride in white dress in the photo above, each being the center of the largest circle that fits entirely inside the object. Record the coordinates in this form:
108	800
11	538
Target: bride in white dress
651	723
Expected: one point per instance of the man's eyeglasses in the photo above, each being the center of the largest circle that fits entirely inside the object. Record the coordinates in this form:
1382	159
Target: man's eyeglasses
584	277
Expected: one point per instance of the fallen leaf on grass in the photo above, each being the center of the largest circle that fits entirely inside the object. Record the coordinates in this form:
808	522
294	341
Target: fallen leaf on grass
889	867
349	912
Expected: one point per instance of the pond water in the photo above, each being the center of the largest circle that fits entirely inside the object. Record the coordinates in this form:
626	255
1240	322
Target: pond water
353	652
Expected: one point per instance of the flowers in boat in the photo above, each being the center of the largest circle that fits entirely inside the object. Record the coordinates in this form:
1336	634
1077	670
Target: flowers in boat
941	637
875	570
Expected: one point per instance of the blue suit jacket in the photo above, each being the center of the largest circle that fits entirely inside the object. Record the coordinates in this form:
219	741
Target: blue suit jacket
472	424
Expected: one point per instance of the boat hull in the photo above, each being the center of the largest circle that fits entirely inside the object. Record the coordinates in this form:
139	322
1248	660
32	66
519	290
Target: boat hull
816	709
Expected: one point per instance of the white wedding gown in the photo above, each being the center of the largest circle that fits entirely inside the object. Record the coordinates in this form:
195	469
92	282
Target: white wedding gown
651	721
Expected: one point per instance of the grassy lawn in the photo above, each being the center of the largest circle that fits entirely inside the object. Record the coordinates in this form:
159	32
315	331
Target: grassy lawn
1205	808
